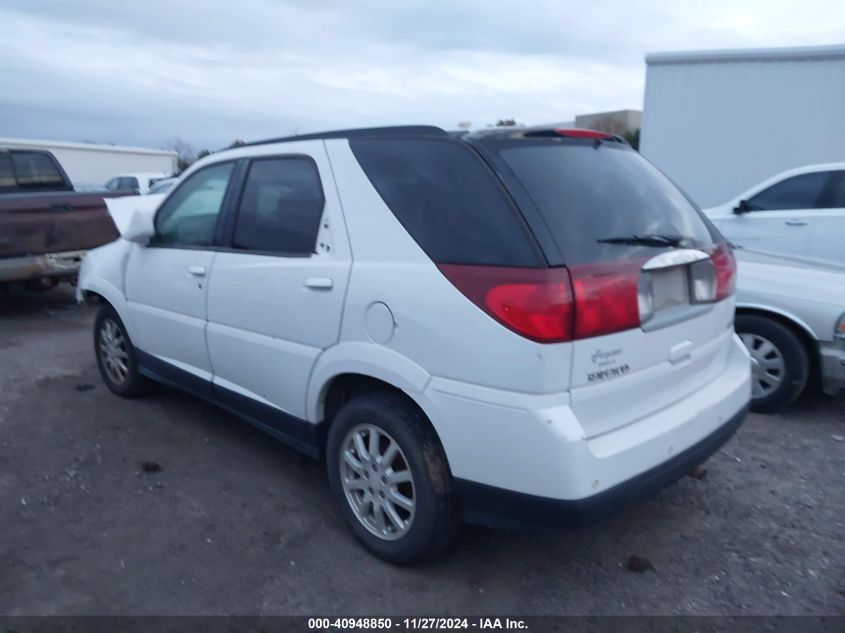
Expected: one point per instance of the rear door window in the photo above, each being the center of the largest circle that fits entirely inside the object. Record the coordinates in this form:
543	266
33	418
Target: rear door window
280	208
836	199
127	183
597	198
798	192
448	200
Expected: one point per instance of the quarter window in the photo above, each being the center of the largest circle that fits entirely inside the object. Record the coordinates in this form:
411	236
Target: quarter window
189	216
281	207
447	200
797	192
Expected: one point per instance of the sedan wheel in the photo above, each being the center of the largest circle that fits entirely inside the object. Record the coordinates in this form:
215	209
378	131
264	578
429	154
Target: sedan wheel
767	365
780	363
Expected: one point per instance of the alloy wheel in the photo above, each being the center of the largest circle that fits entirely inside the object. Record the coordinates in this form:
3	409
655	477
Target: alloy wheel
114	352
377	481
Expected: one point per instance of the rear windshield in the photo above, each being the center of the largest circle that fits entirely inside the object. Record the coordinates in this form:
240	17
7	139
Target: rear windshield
448	200
587	193
24	170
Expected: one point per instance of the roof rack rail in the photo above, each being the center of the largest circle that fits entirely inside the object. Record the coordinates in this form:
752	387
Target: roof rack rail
397	130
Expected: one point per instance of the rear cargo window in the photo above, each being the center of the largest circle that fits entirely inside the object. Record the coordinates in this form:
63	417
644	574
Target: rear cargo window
589	193
36	170
448	200
7	174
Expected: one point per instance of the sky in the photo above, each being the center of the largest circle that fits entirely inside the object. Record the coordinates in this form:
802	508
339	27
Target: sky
206	71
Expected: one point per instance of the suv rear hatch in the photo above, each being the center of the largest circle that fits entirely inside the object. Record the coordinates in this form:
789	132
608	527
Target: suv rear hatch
650	279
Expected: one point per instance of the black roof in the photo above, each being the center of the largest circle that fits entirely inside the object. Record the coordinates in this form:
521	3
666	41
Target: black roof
397	130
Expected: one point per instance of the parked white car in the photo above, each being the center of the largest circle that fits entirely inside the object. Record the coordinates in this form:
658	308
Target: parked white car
470	328
798	212
133	183
790	313
163	186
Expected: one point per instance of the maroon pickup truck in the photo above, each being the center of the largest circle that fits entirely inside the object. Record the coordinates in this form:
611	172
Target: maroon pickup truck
45	226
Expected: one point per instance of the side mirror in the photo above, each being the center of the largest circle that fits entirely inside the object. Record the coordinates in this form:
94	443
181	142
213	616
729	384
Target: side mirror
141	228
742	207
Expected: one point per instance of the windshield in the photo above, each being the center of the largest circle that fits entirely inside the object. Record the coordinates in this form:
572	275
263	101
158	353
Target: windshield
603	201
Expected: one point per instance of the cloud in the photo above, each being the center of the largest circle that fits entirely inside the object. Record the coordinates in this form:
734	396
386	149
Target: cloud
141	73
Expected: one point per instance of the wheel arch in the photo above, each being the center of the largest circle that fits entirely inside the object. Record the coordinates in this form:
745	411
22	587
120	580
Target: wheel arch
99	289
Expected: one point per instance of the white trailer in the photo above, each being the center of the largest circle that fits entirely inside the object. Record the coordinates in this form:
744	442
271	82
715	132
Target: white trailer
93	163
718	122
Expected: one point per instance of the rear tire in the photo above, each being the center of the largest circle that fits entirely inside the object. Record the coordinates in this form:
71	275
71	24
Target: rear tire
389	474
116	355
780	363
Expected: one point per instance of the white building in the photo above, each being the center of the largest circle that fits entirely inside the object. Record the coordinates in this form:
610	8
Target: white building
615	122
93	163
718	122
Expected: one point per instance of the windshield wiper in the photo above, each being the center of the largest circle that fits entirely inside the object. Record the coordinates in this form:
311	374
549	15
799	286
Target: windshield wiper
652	239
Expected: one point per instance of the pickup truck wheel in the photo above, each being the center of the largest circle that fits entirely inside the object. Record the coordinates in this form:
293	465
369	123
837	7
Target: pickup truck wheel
389	474
116	356
780	366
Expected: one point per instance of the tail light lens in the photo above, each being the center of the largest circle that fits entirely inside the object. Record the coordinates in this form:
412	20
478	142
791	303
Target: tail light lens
553	305
535	303
840	328
606	298
725	262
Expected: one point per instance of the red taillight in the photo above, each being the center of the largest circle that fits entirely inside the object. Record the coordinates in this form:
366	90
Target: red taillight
577	133
552	305
725	262
606	297
533	302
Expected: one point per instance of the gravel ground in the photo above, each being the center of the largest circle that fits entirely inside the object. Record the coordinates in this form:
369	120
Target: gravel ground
235	522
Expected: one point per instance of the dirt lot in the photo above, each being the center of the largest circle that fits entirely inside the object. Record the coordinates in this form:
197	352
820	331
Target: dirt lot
237	523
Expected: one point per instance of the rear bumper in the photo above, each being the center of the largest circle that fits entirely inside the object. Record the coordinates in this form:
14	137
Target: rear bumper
65	264
511	452
833	366
487	505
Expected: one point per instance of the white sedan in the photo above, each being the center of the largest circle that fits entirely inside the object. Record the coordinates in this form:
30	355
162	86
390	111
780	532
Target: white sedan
790	313
798	212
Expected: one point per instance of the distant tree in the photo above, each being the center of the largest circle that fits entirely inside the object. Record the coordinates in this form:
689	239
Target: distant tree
203	153
236	143
633	137
506	123
184	150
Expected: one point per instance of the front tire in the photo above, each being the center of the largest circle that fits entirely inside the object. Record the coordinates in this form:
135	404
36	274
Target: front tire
780	365
389	474
116	355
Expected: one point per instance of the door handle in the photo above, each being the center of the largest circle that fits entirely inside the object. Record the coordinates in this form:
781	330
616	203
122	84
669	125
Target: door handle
796	223
319	283
196	271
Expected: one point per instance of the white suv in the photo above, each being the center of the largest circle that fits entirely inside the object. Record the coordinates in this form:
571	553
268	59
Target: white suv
512	327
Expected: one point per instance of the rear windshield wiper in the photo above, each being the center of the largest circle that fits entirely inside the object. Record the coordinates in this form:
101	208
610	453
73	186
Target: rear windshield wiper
652	239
